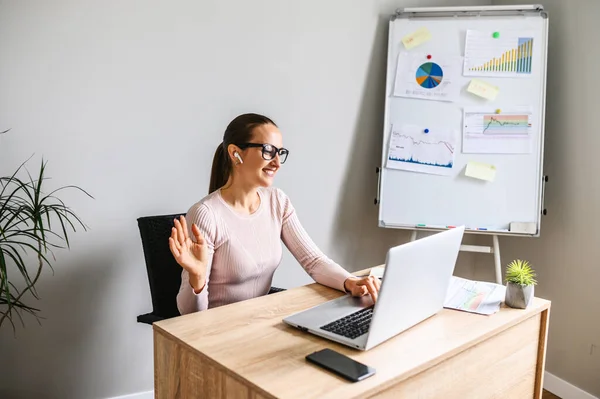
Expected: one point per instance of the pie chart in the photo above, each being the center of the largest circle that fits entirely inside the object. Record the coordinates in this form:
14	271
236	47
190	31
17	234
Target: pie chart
429	75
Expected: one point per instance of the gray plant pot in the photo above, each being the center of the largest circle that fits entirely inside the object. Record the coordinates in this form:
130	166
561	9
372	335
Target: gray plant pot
518	296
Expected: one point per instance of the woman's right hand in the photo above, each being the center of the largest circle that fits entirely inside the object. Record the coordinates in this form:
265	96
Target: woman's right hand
192	256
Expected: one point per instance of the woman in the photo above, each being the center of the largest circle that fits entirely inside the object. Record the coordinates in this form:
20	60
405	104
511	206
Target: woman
238	226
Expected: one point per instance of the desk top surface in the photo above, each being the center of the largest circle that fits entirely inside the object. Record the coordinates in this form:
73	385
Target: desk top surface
249	340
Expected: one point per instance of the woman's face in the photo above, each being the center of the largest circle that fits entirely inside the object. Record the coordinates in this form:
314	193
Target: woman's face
261	163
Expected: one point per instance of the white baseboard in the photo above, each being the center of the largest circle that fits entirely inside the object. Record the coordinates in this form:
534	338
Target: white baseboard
139	395
552	383
563	389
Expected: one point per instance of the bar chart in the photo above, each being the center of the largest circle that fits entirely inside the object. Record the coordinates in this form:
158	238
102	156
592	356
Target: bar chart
509	55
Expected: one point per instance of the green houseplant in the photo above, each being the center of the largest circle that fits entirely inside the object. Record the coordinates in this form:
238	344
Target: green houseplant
32	224
520	283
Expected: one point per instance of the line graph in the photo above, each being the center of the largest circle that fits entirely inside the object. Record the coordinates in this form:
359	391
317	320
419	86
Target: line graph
506	124
484	131
412	149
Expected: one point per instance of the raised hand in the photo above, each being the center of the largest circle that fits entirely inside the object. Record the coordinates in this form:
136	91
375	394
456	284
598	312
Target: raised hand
190	255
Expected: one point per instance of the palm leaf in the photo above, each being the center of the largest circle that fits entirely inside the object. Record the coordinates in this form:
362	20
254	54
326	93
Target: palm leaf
31	222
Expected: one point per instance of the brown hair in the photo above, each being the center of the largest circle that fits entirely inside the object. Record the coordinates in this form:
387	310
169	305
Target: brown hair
238	131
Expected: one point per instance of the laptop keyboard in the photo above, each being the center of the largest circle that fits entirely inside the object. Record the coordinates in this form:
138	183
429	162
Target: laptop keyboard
352	326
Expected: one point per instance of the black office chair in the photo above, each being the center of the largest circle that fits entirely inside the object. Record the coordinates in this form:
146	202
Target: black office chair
164	274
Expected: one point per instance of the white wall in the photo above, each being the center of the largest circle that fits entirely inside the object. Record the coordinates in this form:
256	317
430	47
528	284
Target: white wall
128	99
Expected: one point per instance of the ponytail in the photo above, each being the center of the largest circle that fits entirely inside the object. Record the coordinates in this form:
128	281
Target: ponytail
221	168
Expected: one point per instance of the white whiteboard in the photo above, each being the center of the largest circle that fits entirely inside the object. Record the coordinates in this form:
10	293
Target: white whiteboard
410	200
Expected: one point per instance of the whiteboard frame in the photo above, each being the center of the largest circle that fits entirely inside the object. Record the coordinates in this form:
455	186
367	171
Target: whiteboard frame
470	11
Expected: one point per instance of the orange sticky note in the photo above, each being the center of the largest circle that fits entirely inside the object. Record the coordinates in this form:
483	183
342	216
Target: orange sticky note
483	89
419	36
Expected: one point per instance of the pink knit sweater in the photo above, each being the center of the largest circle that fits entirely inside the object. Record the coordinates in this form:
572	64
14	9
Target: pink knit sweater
245	250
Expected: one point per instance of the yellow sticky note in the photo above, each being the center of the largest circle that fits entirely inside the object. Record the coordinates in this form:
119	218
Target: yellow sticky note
419	36
479	170
483	89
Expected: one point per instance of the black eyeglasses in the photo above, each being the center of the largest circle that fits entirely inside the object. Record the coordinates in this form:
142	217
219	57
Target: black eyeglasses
269	151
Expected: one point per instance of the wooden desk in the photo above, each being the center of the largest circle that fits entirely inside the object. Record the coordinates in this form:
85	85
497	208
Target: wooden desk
245	351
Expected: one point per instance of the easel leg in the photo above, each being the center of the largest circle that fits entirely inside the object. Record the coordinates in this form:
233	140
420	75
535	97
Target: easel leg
497	259
495	249
413	235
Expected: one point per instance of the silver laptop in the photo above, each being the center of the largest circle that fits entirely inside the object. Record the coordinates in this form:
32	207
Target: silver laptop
413	288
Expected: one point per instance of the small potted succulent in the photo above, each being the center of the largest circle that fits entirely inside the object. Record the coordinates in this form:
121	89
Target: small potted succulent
520	282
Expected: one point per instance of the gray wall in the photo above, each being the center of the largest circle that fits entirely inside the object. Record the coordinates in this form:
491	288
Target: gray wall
128	99
567	256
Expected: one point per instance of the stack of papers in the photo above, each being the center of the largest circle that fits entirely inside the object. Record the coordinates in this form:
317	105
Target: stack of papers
474	296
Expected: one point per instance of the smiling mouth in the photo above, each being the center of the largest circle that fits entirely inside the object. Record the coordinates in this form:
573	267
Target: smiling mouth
269	172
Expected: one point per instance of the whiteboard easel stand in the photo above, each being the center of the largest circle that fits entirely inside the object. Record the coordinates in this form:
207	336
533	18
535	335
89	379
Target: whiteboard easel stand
389	217
494	249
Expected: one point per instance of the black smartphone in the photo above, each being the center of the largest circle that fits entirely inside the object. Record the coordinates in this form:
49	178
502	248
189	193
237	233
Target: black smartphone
341	365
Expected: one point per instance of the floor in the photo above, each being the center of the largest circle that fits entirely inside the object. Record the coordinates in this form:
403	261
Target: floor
548	395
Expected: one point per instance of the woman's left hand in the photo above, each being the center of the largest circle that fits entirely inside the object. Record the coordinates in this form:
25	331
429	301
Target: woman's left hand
361	286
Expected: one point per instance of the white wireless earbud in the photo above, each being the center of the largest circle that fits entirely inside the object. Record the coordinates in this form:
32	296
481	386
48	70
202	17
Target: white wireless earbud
238	157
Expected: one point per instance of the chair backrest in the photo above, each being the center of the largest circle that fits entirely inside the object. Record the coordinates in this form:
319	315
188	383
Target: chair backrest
164	274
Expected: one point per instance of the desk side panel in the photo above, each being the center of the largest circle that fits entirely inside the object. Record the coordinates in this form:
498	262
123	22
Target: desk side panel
180	372
541	365
504	366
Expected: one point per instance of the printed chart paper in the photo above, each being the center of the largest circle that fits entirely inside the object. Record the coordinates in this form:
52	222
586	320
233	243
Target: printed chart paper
429	79
412	149
474	296
509	55
488	132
